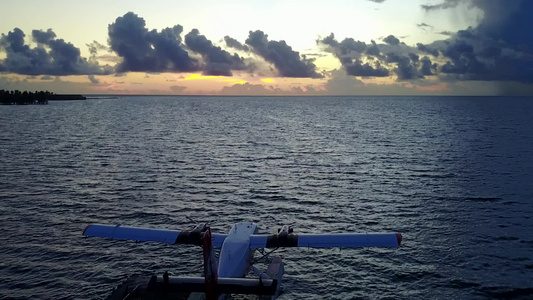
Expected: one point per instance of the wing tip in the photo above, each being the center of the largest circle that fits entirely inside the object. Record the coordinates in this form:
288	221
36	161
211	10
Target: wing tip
399	238
85	230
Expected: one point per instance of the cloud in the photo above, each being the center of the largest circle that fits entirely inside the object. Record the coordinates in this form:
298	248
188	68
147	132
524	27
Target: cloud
445	32
509	21
366	70
251	89
427	67
339	83
406	66
373	49
51	57
142	50
52	84
233	43
444	5
93	80
391	40
377	1
424	26
94	47
285	60
148	51
349	52
217	61
346	51
178	89
497	49
43	37
259	89
427	49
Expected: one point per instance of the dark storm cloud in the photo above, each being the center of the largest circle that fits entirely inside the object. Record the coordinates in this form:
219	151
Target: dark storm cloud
347	50
350	44
509	21
285	60
427	49
218	61
52	56
329	40
499	48
457	49
391	40
490	52
427	66
346	47
233	43
405	66
465	34
463	60
43	37
413	57
349	53
197	42
373	49
148	51
366	70
393	57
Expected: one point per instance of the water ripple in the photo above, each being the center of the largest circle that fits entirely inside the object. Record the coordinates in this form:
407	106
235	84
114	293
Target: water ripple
452	174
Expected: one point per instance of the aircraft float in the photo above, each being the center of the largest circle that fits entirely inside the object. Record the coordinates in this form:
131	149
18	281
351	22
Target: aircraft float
226	274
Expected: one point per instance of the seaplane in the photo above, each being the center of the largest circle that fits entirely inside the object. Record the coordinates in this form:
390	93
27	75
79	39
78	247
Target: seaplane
226	274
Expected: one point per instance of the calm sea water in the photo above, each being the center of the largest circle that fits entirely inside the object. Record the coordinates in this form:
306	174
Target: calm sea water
453	175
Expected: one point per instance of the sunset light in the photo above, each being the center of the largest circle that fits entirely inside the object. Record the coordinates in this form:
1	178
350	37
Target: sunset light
432	47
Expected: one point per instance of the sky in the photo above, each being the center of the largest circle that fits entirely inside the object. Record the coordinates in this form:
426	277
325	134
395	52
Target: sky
277	47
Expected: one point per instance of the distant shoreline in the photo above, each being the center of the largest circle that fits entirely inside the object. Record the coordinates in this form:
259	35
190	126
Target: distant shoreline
113	96
66	97
34	98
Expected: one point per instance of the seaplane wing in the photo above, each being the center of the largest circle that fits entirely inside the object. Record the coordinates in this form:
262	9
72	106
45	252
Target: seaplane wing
343	240
118	232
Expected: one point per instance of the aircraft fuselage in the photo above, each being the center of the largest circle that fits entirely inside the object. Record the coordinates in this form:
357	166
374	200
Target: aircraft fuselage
235	254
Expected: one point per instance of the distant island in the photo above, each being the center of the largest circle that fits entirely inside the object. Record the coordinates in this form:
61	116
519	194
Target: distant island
38	97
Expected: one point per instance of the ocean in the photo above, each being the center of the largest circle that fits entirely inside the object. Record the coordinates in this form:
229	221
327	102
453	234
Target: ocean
454	175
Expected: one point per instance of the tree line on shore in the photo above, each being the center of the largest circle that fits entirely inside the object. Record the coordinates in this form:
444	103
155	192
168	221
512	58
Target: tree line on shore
18	97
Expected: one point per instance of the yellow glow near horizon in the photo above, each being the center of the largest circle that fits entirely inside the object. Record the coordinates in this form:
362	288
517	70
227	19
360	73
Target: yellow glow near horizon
267	80
220	78
235	80
201	77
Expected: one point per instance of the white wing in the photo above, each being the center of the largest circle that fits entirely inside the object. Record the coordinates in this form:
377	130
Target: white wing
119	232
343	240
